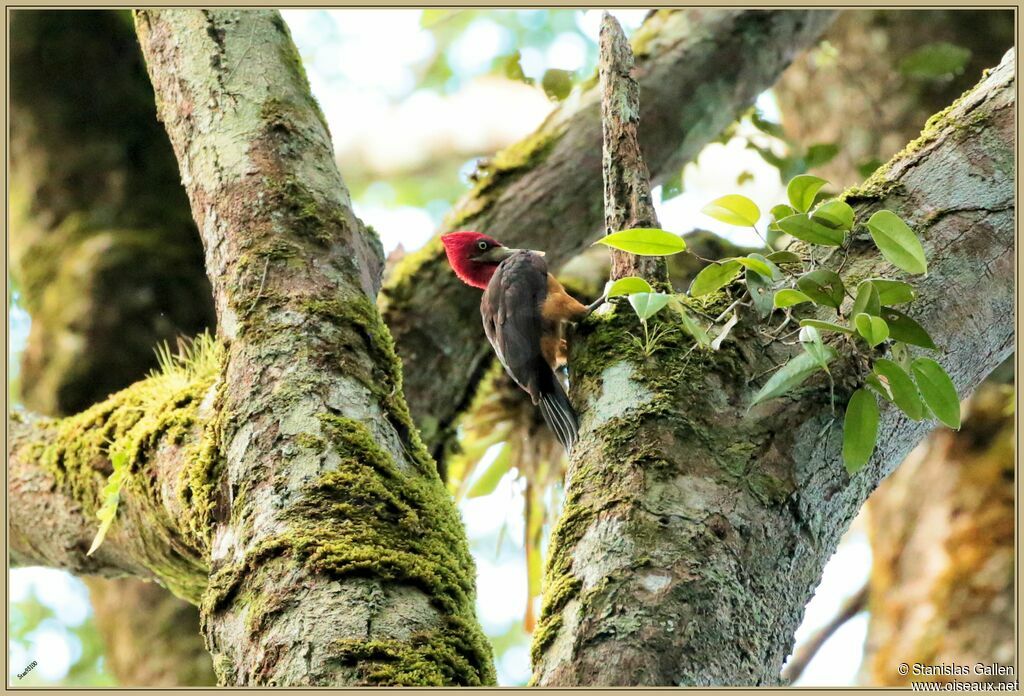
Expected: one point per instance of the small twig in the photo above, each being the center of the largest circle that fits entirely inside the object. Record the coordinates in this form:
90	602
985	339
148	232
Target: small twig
803	655
727	310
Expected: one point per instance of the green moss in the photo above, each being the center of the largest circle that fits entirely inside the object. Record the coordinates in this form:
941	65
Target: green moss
370	517
438	659
309	217
880	184
494	176
361	327
768	489
162	409
311	442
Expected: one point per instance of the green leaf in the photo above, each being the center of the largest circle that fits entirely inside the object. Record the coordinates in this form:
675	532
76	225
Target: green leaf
733	209
881	388
628	286
791	375
867	300
780	211
810	339
806	229
754	264
714	277
935	61
901	387
111	496
860	430
672	187
645	241
761	294
802	190
787	297
557	83
819	154
938	391
759	122
823	286
893	292
903	328
873	329
837	214
897	242
826	326
784	257
699	334
647	304
776	274
900	353
489	480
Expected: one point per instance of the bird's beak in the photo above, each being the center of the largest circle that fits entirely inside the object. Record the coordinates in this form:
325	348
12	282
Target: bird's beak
496	254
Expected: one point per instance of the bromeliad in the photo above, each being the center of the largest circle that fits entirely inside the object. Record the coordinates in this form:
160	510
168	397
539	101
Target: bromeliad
524	310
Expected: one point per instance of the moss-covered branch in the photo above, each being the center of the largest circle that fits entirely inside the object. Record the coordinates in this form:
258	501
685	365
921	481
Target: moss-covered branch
336	556
58	468
694	531
697	71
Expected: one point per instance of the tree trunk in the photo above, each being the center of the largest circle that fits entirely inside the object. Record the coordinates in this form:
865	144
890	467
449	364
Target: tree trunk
110	264
695	78
336	555
693	532
942	579
627	183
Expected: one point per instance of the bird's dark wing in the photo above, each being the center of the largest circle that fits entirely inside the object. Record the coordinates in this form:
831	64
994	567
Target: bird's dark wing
511	311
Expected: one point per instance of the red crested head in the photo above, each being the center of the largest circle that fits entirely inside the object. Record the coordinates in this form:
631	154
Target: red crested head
474	257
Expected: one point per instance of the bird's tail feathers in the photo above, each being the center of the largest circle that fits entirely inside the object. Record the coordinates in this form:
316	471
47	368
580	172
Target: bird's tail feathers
559	414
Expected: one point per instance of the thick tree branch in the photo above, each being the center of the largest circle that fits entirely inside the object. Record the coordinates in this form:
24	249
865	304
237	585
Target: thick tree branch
336	555
694	531
697	70
627	184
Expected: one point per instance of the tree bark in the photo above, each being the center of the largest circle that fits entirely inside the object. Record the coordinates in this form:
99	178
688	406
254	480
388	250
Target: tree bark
695	76
693	531
942	578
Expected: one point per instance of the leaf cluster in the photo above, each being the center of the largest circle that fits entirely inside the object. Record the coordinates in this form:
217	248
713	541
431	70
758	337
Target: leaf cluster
867	322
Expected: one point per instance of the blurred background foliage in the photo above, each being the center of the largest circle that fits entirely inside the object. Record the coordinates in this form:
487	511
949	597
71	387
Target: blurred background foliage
414	100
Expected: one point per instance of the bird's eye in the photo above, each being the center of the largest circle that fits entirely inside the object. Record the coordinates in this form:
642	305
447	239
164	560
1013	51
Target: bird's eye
481	245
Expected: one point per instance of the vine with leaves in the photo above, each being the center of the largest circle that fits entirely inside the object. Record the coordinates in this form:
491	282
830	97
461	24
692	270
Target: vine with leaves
781	280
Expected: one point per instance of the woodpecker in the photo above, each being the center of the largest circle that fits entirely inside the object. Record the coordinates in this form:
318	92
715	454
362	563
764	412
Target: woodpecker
524	310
